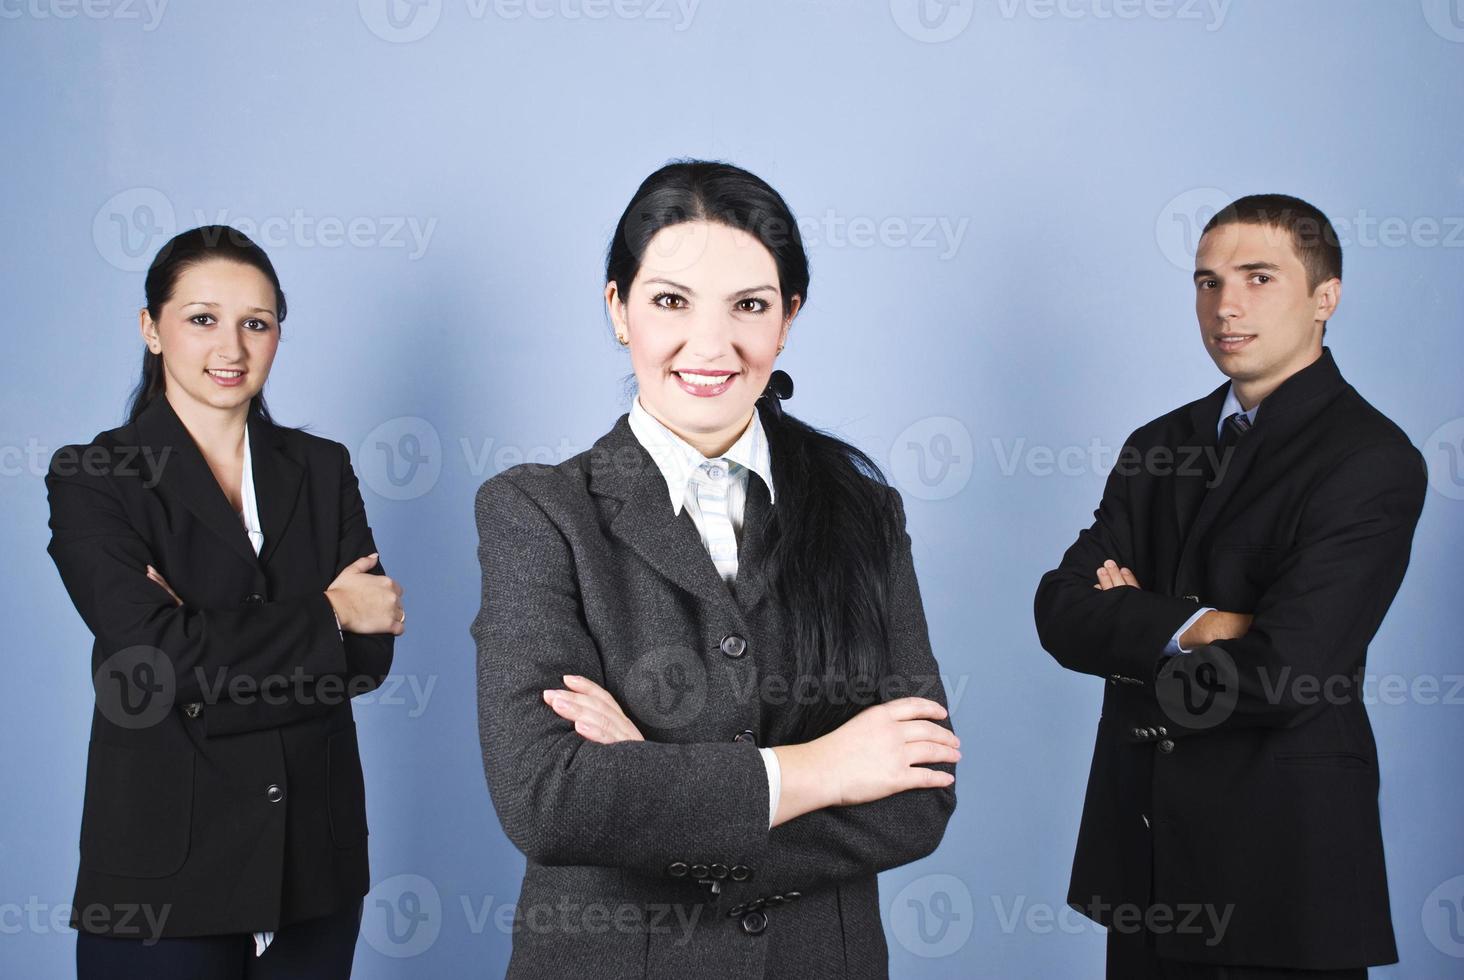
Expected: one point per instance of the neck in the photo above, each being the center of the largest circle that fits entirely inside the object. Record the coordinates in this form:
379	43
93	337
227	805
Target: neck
709	444
1252	391
219	432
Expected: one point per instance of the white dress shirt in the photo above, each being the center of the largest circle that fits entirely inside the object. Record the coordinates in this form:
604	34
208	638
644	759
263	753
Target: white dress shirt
250	516
681	464
1231	406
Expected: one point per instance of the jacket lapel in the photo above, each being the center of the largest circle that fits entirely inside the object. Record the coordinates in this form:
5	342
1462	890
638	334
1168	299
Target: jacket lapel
621	468
277	479
183	474
1294	402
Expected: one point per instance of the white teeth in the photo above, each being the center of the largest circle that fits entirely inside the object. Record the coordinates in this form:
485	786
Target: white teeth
705	380
224	374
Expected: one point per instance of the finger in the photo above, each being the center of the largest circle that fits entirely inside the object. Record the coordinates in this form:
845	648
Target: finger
904	709
363	564
929	731
1104	581
920	778
917	753
597	694
1128	577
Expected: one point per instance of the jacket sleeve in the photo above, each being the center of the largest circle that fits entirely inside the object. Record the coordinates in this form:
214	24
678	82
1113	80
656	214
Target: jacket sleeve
368	655
1307	643
844	843
1113	633
639	806
103	563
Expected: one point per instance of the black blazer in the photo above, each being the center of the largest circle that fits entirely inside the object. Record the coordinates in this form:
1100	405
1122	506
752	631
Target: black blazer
224	790
1252	759
586	571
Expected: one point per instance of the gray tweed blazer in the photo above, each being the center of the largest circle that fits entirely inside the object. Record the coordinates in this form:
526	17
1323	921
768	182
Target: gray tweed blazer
654	859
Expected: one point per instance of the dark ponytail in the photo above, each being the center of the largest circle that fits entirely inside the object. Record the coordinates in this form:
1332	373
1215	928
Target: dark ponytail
184	251
831	539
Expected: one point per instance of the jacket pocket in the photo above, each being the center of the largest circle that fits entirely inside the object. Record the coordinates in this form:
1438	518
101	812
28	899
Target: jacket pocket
345	789
137	813
1327	760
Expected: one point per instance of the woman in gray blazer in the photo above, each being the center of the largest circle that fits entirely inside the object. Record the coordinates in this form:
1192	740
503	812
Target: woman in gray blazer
708	707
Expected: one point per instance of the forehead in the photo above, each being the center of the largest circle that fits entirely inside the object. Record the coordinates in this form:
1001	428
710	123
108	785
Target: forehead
1243	243
710	254
224	281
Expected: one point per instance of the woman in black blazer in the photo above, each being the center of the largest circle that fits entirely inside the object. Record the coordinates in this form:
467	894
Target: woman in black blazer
225	567
708	707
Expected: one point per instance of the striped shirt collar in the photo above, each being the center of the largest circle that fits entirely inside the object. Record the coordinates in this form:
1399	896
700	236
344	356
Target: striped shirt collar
677	459
1231	406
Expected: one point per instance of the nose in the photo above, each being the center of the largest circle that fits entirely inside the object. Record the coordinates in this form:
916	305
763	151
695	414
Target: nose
710	335
231	344
1228	307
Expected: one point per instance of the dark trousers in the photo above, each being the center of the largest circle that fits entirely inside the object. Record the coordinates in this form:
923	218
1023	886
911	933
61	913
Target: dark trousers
1131	956
314	949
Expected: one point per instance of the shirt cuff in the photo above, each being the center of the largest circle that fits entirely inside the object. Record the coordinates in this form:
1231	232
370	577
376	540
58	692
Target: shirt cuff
1172	647
775	782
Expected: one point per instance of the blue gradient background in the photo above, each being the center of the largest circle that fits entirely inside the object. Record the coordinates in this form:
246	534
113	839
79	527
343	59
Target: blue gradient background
999	201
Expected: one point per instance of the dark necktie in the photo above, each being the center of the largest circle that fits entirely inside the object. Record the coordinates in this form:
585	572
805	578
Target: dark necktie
1235	427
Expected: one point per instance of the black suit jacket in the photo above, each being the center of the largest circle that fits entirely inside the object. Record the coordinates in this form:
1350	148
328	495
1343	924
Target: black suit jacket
1237	786
587	571
224	790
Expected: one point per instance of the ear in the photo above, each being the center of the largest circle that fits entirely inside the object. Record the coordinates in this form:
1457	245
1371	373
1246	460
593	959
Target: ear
148	329
1327	295
794	305
615	306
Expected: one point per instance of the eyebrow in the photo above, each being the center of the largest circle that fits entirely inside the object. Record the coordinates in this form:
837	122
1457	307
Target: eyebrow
214	306
1244	267
687	289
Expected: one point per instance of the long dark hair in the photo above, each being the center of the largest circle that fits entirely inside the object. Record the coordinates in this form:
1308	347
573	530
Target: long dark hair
184	251
831	539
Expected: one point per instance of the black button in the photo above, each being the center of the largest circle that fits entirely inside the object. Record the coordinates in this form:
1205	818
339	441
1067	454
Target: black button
790	896
676	869
718	871
1162	730
698	870
755	904
1167	745
741	872
193	709
1138	733
753	923
733	645
274	794
1193	598
745	736
735	911
254	599
774	901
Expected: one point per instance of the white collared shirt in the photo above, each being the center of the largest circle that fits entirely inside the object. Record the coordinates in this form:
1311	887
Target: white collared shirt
678	460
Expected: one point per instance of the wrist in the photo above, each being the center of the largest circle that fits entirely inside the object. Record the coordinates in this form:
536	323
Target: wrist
805	785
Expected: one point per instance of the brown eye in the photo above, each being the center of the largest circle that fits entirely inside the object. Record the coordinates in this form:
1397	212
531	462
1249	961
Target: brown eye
669	301
753	304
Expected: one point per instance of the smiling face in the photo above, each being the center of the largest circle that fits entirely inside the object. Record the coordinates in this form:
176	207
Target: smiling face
218	333
704	319
1259	319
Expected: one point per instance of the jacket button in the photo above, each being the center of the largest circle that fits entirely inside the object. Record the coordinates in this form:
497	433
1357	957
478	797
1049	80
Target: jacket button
274	794
773	901
193	709
735	911
1167	745
698	870
254	599
1161	731
1138	733
733	645
741	872
1193	598
718	871
790	896
753	923
676	869
746	736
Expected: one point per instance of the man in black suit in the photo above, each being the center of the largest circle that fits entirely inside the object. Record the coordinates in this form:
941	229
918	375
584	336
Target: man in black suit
1246	549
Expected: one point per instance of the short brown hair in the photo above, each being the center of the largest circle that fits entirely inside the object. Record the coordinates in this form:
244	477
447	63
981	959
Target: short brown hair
1312	235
